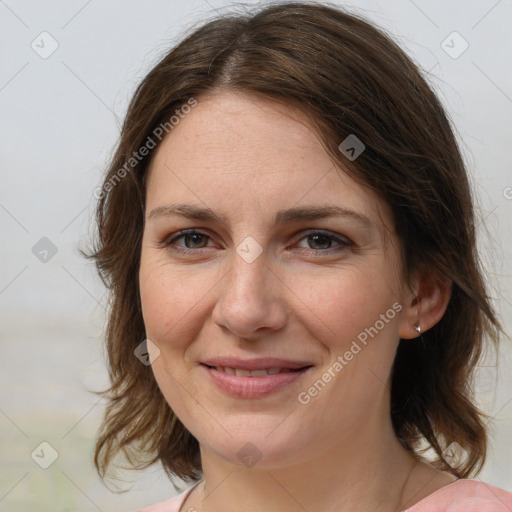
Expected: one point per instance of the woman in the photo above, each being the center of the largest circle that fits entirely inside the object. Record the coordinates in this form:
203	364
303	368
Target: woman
287	232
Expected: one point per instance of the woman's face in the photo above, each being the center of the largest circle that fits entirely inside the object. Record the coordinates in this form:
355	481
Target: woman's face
284	258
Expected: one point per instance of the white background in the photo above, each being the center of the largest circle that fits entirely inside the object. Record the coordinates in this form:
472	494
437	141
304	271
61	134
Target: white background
59	122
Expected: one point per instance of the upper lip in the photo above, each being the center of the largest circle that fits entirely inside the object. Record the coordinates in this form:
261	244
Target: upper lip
256	363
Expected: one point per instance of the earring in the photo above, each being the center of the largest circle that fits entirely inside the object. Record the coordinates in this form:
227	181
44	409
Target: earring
418	328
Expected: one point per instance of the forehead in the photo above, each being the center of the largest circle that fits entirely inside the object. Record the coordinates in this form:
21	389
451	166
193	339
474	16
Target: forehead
239	153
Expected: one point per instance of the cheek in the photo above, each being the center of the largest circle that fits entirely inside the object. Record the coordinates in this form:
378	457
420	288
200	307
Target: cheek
355	318
173	316
339	304
171	301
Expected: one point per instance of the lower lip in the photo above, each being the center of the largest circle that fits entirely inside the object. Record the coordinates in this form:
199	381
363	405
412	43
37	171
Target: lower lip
252	387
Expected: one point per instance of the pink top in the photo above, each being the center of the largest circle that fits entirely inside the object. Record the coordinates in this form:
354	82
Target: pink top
459	496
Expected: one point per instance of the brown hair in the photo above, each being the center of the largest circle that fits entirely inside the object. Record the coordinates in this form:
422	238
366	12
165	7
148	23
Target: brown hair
349	77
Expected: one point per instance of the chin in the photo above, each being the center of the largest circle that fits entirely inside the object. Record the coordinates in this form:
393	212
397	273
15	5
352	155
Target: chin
258	446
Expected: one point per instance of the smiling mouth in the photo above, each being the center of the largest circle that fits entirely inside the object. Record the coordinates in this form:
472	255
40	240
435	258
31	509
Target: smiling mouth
252	383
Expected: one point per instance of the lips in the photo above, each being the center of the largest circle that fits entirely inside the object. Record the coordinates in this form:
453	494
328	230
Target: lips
253	378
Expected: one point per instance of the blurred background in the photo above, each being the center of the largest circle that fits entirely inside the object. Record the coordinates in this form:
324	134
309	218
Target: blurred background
68	69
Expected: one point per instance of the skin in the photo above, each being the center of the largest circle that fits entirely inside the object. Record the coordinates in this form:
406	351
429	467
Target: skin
303	298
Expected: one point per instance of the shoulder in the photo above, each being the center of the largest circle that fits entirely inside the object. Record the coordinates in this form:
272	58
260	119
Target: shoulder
171	505
466	495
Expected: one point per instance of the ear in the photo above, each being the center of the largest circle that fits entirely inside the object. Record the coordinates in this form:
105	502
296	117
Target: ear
425	304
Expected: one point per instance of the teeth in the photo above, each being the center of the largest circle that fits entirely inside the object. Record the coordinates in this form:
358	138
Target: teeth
258	373
239	372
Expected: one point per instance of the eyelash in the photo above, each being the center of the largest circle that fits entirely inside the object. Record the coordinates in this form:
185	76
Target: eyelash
343	242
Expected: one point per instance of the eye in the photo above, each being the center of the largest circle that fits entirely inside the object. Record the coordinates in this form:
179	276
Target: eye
191	240
323	241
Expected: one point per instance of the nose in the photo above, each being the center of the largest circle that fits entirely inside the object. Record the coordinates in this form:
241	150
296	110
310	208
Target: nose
251	301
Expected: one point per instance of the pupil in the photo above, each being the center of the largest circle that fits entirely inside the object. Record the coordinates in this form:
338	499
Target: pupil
196	238
321	237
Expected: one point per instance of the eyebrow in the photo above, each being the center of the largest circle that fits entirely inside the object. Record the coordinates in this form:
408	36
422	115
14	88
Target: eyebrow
194	212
